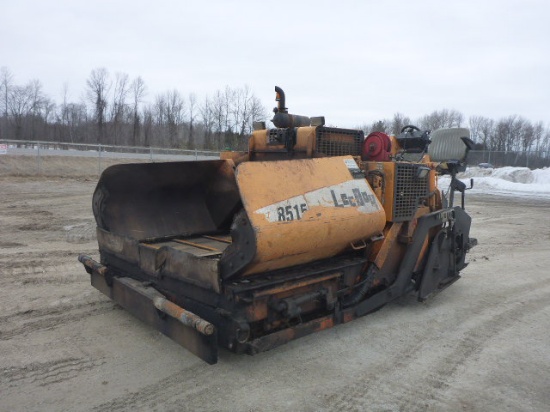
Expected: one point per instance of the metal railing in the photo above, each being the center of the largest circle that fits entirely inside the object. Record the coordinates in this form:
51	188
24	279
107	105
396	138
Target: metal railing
531	159
104	155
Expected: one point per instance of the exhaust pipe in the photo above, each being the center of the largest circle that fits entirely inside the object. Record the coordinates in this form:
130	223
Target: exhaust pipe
282	119
280	97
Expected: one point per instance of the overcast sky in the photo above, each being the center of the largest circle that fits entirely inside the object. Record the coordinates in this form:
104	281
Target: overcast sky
352	61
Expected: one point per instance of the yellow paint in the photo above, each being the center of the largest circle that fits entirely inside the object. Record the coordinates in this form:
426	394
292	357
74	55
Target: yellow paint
305	141
322	231
386	195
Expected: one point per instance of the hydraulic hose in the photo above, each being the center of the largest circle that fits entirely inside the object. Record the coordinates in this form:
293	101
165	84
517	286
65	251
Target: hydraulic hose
364	287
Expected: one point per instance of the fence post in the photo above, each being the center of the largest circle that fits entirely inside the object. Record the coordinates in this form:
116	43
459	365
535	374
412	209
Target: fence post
151	154
196	154
99	161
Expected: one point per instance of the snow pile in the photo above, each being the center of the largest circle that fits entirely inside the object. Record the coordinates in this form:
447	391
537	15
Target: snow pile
515	181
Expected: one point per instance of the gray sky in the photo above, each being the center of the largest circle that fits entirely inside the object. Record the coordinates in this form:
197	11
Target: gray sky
352	61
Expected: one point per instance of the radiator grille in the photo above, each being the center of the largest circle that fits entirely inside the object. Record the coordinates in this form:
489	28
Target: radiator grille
339	142
409	191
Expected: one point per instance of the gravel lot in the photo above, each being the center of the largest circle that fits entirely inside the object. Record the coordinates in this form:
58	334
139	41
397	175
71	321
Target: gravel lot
483	344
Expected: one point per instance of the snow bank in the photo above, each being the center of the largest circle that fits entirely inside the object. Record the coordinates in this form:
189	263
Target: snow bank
509	181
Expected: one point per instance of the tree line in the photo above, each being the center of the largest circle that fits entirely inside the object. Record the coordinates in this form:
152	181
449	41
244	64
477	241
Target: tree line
508	134
113	110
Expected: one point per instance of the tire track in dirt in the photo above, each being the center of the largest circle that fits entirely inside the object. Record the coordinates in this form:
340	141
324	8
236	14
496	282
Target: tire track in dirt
62	275
31	321
178	385
49	258
45	268
375	384
47	373
44	275
388	389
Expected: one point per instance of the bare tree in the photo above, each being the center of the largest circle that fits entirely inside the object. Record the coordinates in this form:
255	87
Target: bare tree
38	103
527	136
481	129
507	133
250	109
118	107
6	83
192	99
227	107
138	89
221	120
231	114
380	126
398	122
64	114
175	115
169	112
76	119
98	88
207	120
538	134
218	114
148	122
441	119
20	104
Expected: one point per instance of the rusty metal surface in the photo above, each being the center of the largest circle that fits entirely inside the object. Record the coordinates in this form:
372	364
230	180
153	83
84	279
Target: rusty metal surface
242	249
144	201
197	244
190	331
288	286
278	279
275	301
122	246
159	301
184	316
283	336
137	301
182	261
91	265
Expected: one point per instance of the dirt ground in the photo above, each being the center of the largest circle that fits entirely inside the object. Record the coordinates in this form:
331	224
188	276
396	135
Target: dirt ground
483	344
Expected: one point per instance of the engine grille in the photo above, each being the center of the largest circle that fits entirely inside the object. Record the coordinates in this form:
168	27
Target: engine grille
339	142
409	191
278	136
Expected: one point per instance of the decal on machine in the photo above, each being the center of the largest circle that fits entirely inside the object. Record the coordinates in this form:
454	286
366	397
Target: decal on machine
353	193
354	169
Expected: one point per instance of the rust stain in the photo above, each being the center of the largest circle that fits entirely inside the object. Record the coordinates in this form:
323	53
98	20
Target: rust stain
197	245
184	316
295	285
